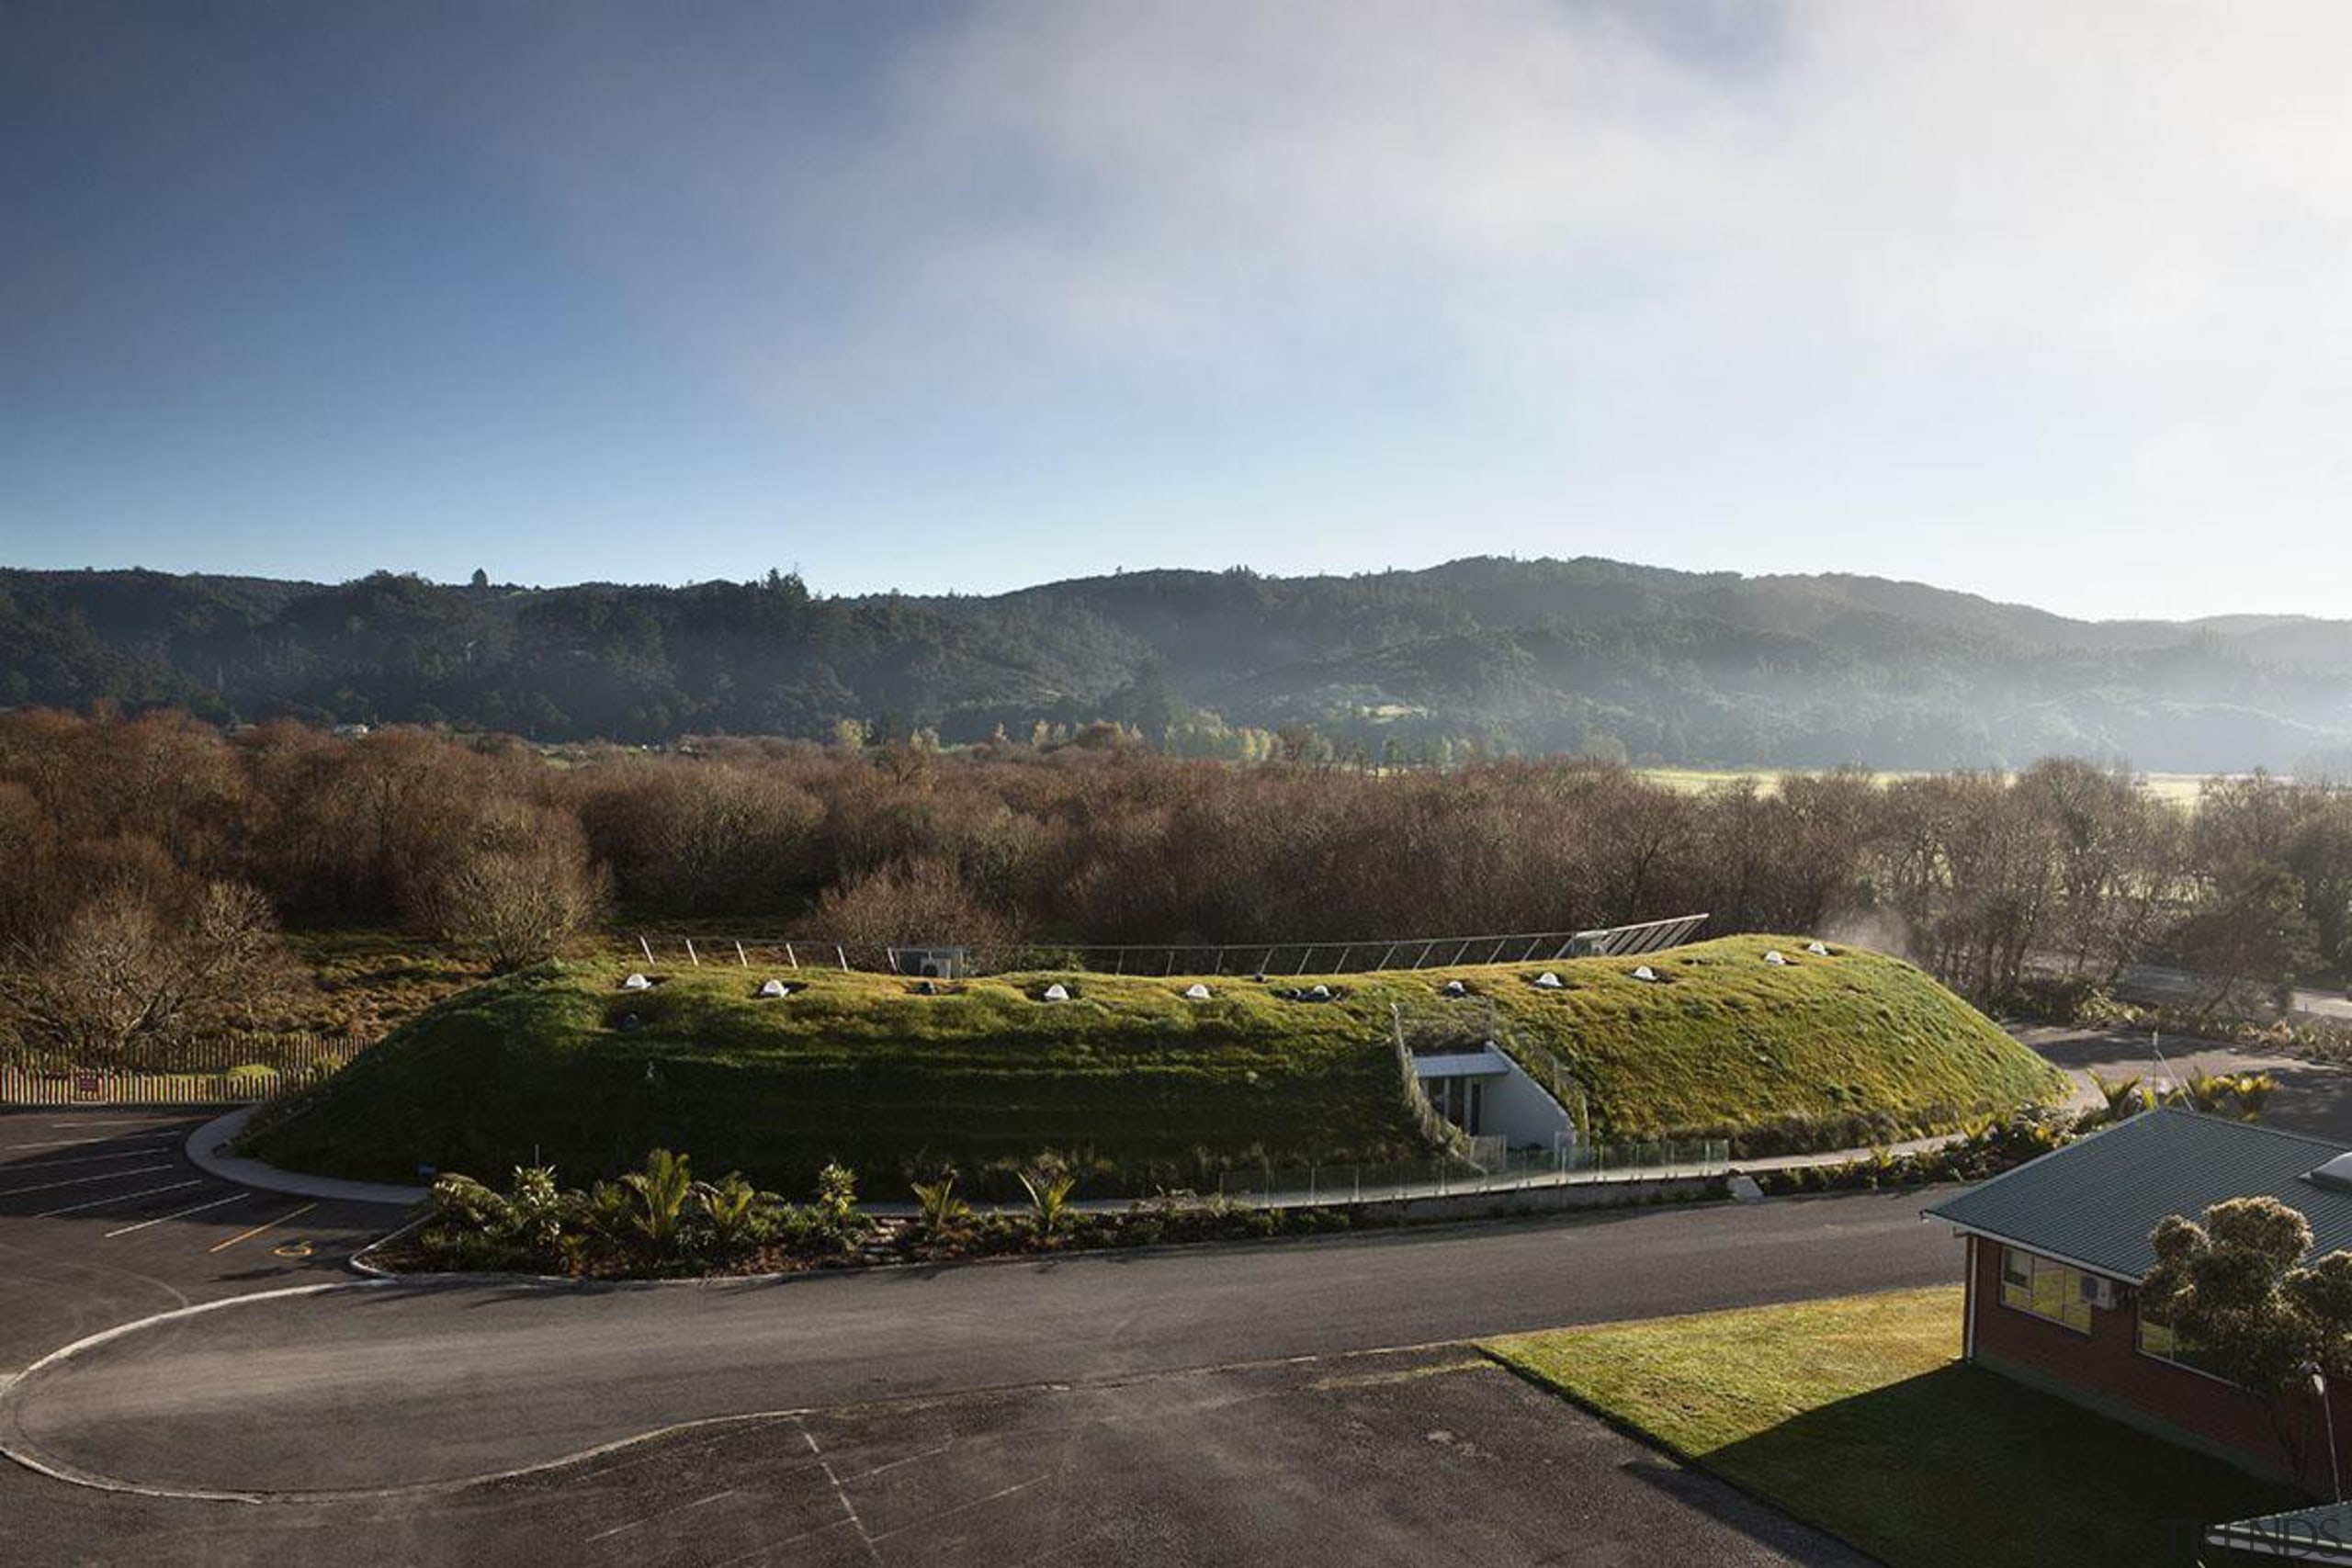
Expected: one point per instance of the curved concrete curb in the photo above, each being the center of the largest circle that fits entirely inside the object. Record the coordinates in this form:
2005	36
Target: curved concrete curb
19	1449
207	1150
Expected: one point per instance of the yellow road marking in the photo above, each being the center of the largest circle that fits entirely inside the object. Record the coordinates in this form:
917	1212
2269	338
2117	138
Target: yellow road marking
271	1224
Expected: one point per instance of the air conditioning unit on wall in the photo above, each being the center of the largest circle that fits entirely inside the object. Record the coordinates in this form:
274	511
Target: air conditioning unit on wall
2099	1292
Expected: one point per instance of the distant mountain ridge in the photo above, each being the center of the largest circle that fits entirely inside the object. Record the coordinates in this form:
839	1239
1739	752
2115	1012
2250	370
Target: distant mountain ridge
1700	669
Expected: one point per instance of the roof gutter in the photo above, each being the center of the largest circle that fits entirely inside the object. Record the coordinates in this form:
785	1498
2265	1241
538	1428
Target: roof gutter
2036	1248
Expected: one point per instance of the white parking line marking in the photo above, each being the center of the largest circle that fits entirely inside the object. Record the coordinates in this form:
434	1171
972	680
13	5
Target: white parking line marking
75	1143
177	1214
45	1161
273	1224
120	1198
119	1122
86	1180
662	1514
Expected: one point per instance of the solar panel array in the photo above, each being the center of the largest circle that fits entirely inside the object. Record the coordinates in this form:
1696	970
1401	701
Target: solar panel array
1632	942
1188	958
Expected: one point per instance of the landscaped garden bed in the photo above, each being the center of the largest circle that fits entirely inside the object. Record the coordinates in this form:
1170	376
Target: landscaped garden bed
660	1222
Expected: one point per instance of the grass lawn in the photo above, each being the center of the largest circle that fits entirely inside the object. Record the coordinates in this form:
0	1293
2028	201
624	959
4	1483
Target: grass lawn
368	982
1857	1416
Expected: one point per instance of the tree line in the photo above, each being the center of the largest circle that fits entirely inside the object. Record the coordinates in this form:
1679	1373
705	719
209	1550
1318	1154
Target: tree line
133	847
1483	656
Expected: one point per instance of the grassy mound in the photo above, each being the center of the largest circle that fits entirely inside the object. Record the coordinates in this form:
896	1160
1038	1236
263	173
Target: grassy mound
1839	1051
1128	1080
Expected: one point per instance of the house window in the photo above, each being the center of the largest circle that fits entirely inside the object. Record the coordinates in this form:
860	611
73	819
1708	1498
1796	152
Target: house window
2166	1344
2044	1287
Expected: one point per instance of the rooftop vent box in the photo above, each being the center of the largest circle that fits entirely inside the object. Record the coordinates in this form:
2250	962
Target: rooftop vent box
2335	1175
933	963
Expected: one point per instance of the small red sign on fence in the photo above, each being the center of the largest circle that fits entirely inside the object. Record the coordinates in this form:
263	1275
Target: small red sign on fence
88	1086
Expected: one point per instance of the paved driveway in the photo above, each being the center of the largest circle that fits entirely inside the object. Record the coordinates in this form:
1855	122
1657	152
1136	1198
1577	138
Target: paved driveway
2313	1098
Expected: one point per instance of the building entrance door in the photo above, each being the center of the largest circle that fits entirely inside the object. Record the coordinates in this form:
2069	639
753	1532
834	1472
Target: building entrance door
1461	1101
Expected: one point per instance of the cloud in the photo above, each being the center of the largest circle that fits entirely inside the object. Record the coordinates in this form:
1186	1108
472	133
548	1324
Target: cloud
2126	187
1925	286
2098	190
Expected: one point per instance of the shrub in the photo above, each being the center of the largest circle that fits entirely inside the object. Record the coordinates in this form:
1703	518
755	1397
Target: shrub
836	1219
535	1210
462	1201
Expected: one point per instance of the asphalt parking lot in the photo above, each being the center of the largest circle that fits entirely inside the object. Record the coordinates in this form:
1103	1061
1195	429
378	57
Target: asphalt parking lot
104	1220
1371	1459
1068	1411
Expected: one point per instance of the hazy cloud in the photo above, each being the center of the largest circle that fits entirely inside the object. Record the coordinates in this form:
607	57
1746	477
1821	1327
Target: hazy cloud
1926	282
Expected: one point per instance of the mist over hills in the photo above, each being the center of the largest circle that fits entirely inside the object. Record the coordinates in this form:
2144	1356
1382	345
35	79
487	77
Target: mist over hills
1700	669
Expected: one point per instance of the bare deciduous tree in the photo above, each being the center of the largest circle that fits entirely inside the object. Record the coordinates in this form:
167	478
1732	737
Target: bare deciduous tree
912	901
129	977
520	893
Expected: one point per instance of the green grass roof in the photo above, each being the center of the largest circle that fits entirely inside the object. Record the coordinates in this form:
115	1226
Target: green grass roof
1129	1079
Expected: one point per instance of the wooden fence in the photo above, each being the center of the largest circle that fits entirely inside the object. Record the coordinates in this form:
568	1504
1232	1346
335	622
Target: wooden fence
227	1070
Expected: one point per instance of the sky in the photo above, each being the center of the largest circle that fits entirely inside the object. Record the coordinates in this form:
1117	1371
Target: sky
2047	303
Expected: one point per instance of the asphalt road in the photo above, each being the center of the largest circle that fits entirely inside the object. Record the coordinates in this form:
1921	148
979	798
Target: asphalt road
395	1385
2154	982
1202	1405
2312	1097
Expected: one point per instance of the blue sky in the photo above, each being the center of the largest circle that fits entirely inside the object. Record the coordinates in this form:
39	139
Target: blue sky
2045	303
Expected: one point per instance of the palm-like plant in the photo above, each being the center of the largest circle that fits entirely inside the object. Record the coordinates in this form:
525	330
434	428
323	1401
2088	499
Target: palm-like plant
660	1191
1049	1190
942	1211
2206	1091
2254	1091
2124	1097
727	1206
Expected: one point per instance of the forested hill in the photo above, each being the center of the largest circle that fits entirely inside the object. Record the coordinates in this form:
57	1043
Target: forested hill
1700	669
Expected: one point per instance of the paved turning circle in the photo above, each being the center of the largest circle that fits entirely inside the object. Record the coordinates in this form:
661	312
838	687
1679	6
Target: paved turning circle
1200	1405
